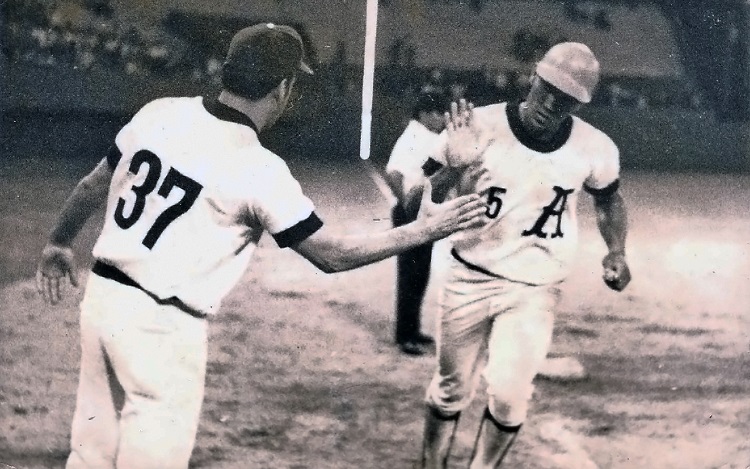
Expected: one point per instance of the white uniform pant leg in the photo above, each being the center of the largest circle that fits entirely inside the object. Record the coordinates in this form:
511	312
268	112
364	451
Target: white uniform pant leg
95	432
159	354
518	345
463	329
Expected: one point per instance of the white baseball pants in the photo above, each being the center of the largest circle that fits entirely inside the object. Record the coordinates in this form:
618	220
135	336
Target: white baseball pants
156	354
508	324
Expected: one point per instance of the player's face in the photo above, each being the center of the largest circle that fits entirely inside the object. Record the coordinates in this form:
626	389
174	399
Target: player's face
548	107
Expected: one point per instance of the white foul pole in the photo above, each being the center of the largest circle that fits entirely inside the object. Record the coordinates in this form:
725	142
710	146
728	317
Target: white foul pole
368	78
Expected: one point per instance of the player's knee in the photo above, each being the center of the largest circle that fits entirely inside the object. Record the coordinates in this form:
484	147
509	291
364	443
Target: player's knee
509	404
449	395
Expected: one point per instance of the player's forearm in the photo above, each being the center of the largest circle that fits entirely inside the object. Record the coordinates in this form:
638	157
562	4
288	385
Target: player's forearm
337	254
612	221
88	196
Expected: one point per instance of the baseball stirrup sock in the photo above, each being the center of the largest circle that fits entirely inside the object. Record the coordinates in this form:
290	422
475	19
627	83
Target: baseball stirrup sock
505	435
440	431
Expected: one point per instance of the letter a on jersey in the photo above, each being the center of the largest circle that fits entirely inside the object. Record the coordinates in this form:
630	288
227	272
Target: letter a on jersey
555	208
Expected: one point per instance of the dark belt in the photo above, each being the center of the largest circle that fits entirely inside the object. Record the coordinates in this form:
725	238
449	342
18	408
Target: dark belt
113	273
471	266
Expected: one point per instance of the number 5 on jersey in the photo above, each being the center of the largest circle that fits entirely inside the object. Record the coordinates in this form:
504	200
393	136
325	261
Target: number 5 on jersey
191	189
494	202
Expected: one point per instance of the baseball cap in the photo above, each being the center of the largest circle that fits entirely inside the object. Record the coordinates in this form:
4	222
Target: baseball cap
572	68
267	52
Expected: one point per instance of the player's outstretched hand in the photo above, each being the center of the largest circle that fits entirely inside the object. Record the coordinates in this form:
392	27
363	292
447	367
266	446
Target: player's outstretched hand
467	139
454	215
56	263
616	271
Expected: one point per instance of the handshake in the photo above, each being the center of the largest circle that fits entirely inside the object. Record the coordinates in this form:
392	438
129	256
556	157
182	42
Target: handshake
468	137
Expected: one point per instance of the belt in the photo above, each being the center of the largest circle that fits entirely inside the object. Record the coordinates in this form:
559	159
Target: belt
471	266
113	273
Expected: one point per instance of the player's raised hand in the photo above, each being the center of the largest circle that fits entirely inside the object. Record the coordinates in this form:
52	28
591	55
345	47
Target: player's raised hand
56	263
467	138
454	215
616	271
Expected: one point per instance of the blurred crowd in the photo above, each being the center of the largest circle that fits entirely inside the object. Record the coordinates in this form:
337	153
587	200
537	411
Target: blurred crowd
88	34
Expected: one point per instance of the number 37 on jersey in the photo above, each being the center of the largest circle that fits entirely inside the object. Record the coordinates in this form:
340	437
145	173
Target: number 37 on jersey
127	214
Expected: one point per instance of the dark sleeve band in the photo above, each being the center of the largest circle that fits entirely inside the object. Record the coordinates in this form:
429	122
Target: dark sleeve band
299	232
603	192
431	167
113	157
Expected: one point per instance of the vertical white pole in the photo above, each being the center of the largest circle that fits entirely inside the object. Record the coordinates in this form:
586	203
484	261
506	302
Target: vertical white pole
368	78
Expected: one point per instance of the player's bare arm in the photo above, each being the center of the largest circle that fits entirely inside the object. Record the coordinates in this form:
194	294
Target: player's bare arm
58	260
332	253
611	217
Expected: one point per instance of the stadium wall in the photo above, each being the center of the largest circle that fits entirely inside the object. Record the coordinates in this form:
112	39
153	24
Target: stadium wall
668	139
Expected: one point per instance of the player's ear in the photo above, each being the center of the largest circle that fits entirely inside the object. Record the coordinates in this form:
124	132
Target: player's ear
284	90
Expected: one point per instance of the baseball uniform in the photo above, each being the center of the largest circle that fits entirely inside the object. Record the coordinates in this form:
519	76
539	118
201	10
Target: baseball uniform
502	288
191	193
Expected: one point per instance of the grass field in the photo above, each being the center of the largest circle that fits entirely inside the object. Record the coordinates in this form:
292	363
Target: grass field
302	372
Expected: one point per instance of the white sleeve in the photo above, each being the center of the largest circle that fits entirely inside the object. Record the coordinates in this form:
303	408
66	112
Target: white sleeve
605	165
281	206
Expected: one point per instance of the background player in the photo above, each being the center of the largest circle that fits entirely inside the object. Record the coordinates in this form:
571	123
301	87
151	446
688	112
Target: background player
403	172
189	192
529	160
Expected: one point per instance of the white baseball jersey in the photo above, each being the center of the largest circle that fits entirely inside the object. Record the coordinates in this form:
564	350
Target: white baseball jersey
531	189
411	151
191	193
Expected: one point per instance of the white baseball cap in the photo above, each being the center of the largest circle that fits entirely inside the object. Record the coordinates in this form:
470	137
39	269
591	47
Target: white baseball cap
572	68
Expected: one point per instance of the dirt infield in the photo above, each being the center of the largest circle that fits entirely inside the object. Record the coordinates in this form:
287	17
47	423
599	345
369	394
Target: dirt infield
302	372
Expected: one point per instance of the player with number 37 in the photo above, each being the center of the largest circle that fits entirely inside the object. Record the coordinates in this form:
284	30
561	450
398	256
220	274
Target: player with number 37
189	191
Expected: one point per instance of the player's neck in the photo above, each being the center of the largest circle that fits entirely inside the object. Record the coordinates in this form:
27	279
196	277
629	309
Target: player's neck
257	111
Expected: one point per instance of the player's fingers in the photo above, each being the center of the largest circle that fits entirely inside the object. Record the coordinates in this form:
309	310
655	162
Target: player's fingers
473	219
470	113
73	276
48	290
426	192
448	121
465	202
56	289
462	107
455	116
40	282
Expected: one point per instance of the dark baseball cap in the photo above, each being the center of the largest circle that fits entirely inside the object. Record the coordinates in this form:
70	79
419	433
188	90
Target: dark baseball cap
267	52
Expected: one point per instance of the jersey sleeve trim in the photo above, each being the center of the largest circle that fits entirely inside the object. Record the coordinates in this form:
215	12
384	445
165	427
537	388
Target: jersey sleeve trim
431	167
113	157
604	191
299	232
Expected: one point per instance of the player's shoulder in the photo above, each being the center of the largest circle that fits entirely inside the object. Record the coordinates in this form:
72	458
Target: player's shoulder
162	108
593	138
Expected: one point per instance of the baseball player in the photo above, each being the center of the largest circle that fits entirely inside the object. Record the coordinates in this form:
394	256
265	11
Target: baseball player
189	190
403	172
529	160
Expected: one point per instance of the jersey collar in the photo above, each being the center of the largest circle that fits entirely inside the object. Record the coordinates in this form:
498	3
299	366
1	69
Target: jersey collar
519	131
221	111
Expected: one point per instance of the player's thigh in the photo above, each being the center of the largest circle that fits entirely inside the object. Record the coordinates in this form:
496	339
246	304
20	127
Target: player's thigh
521	337
157	351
